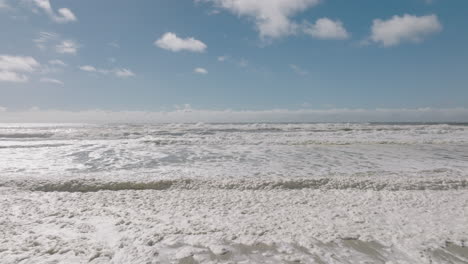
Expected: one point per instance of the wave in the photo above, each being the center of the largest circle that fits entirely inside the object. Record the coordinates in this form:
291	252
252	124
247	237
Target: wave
33	146
87	185
26	135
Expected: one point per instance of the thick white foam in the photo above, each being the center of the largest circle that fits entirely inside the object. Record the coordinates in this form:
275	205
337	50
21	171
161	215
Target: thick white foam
222	226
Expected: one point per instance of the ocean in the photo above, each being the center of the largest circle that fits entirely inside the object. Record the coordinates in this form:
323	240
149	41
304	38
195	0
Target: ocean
234	193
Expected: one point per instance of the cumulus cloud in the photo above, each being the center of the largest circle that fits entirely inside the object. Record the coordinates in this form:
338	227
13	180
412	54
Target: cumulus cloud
200	71
118	72
272	17
190	115
12	68
18	63
170	41
51	81
67	47
325	28
64	14
406	28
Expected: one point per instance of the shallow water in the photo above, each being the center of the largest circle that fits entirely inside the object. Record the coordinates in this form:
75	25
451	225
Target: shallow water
330	193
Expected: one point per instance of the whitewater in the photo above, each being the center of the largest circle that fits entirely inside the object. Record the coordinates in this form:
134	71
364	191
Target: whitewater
234	193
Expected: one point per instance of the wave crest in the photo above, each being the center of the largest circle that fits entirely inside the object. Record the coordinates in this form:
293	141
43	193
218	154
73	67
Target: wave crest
81	185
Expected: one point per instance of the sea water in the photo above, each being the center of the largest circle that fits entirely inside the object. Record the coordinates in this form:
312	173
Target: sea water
228	193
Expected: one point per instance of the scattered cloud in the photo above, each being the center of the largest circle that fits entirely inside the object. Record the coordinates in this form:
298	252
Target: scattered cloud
118	72
188	114
44	39
18	63
170	41
51	81
298	69
12	68
123	73
272	17
8	76
200	71
406	28
64	15
88	68
325	28
67	47
57	63
51	40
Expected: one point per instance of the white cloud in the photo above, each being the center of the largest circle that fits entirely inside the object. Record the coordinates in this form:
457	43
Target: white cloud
325	28
64	14
18	63
9	76
123	73
170	41
47	40
57	63
118	72
13	67
51	81
88	68
200	71
67	47
191	115
298	69
44	38
67	15
404	28
272	17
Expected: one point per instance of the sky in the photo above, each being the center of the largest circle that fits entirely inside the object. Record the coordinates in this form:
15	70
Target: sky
301	57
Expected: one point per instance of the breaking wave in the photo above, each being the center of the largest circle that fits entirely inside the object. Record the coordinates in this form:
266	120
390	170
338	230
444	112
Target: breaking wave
81	185
25	135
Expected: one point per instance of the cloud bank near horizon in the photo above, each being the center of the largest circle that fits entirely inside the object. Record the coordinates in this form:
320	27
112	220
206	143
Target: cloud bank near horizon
189	115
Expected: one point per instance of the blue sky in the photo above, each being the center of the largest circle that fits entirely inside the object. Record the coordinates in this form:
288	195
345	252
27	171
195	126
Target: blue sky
156	55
